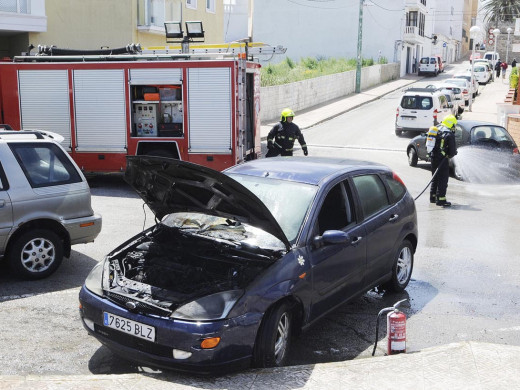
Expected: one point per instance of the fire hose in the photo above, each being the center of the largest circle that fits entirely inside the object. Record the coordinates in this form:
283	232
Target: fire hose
433	176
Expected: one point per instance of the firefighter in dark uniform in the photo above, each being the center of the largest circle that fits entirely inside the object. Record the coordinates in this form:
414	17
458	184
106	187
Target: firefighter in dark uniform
445	148
280	140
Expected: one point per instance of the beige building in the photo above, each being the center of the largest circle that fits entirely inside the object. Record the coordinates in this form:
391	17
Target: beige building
93	24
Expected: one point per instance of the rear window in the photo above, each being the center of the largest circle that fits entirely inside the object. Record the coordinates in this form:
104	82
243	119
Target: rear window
433	60
417	102
45	164
424	60
495	133
372	194
397	189
479	69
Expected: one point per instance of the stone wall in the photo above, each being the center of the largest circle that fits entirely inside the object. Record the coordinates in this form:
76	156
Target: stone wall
513	127
307	93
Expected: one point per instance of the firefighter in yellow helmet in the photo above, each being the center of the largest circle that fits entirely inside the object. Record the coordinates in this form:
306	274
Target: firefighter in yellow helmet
444	149
280	140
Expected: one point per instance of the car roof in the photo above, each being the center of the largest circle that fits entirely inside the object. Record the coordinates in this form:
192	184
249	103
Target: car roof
309	170
468	123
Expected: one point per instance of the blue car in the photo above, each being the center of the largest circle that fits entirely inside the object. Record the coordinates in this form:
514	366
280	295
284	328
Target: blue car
242	260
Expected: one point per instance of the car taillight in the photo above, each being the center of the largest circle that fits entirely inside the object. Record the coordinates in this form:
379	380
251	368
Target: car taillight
515	151
465	91
435	112
397	178
397	113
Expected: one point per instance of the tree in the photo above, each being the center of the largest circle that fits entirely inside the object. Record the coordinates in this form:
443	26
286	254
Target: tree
501	10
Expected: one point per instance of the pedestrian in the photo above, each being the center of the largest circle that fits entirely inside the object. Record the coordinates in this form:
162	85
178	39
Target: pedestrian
503	65
497	67
444	149
513	64
414	65
280	140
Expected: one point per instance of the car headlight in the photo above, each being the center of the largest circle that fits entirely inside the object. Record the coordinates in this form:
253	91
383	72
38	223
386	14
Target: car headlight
212	307
95	279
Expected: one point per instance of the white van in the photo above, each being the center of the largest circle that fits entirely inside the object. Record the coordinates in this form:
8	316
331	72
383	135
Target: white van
419	109
429	65
492	57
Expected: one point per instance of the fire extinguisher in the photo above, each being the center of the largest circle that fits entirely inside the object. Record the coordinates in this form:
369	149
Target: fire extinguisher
395	329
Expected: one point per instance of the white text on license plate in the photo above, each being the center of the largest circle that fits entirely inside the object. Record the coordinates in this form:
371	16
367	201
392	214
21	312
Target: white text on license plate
127	326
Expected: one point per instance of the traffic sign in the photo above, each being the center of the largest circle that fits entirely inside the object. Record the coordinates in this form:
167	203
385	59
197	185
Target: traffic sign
444	44
490	41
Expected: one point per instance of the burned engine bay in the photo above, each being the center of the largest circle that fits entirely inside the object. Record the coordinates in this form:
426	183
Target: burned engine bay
182	259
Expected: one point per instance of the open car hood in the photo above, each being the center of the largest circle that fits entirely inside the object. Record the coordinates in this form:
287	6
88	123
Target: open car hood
170	186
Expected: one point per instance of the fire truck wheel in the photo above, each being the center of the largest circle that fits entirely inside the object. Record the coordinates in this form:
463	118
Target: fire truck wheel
402	268
274	337
160	153
36	254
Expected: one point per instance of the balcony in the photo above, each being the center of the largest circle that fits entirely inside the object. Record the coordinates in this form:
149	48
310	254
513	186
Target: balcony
411	35
23	16
415	5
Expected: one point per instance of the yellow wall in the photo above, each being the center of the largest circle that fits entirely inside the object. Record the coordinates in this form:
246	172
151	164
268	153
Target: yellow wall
91	24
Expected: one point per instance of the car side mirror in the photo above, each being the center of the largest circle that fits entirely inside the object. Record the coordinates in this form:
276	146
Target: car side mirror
450	105
332	237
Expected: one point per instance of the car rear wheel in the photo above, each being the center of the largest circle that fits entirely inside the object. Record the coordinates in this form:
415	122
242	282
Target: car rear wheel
402	268
274	336
36	254
412	157
398	132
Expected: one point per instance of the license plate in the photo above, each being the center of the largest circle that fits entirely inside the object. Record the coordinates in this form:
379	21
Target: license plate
407	118
130	327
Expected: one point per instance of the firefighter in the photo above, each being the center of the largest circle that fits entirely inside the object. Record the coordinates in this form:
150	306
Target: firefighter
445	148
280	140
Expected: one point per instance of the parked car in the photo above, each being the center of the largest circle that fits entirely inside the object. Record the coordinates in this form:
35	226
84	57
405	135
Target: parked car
419	109
45	203
429	65
463	84
452	102
474	57
491	56
457	93
238	264
484	136
482	72
467	77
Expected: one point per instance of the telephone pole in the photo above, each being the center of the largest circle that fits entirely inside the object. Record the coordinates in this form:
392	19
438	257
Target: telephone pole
359	44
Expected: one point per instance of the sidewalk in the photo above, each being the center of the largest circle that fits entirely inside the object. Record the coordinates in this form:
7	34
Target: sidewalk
464	365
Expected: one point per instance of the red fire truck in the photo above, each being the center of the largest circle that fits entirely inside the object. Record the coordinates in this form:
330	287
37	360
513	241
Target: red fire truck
201	106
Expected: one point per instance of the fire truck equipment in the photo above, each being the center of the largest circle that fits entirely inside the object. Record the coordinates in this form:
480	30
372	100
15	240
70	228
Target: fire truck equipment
395	329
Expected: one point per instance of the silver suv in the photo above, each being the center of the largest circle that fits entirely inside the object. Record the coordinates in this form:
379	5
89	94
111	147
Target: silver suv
44	203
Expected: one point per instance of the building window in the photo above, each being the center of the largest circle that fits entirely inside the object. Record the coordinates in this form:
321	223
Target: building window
15	6
411	18
150	13
210	6
422	23
191	4
423	2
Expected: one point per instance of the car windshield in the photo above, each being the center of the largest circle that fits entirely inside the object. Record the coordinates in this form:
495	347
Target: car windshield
288	201
495	133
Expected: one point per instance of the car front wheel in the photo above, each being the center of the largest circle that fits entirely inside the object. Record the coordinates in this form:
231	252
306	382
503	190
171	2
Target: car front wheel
402	268
412	157
274	336
36	254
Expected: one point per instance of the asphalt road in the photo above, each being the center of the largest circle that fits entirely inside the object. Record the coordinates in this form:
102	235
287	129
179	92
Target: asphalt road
465	281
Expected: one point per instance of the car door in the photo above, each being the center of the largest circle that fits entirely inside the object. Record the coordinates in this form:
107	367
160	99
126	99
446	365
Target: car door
338	270
6	210
383	223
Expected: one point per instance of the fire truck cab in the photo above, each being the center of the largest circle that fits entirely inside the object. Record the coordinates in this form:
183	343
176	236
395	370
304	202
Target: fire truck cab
199	107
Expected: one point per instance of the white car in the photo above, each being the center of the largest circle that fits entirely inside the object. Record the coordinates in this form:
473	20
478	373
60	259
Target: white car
463	84
481	72
487	65
457	92
419	109
467	76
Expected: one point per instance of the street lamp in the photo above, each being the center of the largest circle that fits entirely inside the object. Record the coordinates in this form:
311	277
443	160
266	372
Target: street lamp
474	33
496	33
509	31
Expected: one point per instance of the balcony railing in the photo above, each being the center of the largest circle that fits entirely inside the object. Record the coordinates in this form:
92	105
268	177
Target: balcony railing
411	34
415	4
15	6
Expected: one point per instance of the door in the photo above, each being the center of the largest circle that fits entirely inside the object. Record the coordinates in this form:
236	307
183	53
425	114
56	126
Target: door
380	218
6	211
337	269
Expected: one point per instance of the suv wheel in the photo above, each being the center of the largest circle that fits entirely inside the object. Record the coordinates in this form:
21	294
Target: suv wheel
36	254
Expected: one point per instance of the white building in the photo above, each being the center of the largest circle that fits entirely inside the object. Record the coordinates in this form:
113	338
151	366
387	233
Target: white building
399	30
